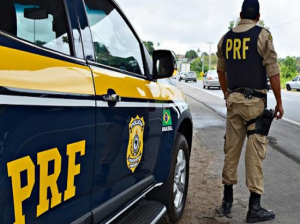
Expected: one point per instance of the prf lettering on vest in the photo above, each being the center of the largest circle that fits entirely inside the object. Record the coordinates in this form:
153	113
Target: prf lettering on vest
238	47
46	180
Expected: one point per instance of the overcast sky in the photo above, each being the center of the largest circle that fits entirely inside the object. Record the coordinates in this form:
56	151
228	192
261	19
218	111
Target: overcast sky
182	25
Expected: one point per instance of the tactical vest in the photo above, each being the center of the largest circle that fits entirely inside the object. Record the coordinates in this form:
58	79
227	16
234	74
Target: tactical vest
243	62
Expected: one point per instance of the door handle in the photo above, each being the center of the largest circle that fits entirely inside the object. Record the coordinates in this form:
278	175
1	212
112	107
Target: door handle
111	97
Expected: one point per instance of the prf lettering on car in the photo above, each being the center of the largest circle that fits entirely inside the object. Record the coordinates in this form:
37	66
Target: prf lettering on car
236	45
25	164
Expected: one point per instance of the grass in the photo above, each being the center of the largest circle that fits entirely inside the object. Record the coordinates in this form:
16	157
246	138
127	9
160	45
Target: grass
283	82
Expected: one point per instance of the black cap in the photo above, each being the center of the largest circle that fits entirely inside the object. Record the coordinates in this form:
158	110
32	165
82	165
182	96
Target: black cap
250	9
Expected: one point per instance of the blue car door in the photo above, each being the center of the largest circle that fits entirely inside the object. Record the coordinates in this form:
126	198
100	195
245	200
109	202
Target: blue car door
47	116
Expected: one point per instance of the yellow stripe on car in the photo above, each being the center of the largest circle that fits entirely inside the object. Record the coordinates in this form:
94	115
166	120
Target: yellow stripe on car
25	70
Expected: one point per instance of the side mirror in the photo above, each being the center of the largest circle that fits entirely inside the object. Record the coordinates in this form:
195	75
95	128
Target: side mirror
164	64
35	13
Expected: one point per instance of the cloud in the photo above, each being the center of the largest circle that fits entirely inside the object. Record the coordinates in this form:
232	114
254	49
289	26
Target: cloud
181	25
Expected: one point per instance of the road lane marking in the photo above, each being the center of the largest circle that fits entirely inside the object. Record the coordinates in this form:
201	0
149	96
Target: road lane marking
286	119
272	95
205	91
291	121
286	99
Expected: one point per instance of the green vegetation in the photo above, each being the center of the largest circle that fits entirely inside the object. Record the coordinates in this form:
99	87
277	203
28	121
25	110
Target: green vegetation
149	46
289	69
191	54
196	65
39	42
234	23
283	82
262	24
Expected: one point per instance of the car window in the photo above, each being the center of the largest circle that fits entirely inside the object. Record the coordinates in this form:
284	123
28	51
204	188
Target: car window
295	79
213	72
33	20
114	42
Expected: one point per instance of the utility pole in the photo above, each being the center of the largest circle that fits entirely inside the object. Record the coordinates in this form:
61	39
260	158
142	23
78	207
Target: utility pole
202	59
198	52
210	43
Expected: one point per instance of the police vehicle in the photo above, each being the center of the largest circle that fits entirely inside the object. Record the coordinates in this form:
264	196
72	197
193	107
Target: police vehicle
91	128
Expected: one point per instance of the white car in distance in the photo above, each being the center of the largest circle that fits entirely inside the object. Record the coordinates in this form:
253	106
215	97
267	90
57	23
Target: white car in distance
211	79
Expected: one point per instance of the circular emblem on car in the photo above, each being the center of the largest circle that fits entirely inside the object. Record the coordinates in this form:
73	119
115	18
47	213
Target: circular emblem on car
135	142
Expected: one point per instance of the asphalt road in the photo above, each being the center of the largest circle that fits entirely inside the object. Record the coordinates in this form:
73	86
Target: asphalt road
281	167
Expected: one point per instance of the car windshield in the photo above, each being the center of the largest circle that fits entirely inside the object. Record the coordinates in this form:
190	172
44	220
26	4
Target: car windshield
191	73
213	73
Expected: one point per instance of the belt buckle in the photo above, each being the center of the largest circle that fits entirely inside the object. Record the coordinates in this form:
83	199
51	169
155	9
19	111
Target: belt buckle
248	93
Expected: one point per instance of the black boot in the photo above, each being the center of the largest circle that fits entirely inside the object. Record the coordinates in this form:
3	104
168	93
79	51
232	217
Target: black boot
227	199
256	213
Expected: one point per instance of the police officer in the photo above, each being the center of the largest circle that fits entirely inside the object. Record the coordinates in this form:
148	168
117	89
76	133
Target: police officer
246	56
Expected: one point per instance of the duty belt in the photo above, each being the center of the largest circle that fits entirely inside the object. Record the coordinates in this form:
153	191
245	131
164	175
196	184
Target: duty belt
249	93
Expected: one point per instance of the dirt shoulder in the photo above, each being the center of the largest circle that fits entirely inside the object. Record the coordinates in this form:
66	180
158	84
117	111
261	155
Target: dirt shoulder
205	189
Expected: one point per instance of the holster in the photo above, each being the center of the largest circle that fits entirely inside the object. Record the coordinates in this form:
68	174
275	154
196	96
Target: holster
262	123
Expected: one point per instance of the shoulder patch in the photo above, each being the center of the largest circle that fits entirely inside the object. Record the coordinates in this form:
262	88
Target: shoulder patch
270	37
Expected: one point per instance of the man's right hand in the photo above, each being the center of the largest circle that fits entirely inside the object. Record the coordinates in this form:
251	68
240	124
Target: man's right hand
275	84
